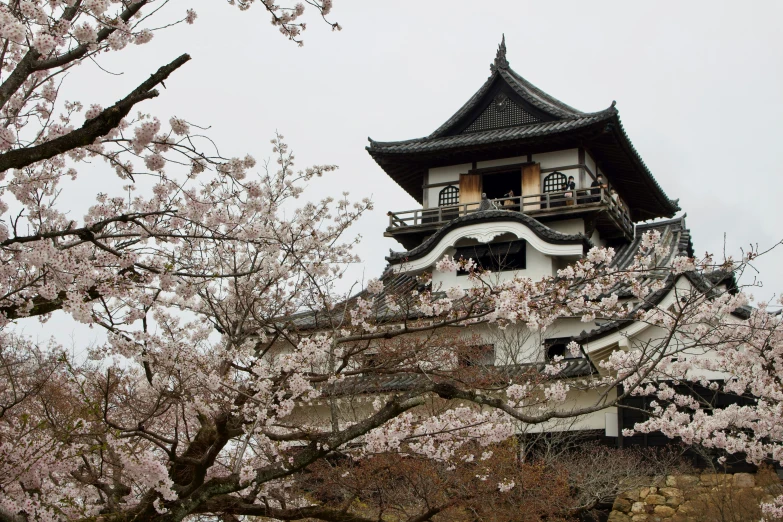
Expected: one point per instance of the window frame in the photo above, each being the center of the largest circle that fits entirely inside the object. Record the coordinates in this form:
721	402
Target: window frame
450	194
554	175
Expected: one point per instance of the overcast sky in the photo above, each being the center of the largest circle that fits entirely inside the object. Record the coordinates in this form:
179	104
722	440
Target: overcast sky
699	87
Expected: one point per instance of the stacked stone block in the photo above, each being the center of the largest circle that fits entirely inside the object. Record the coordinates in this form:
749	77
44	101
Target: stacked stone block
685	498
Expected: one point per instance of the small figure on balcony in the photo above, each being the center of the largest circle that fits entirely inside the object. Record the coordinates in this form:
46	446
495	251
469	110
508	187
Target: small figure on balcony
595	188
618	202
509	203
569	187
614	196
486	204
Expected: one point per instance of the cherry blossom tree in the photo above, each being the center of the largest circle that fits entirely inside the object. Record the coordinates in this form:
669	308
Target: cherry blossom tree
234	364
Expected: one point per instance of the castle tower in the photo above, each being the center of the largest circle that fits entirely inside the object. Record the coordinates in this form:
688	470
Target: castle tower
517	147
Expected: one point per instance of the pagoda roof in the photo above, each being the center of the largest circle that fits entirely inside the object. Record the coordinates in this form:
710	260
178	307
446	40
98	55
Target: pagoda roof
509	116
439	143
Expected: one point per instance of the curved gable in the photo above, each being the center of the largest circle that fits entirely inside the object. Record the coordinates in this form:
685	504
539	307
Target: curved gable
484	227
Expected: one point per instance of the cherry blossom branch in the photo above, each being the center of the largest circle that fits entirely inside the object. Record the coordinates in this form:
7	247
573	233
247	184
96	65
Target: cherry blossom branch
81	50
93	128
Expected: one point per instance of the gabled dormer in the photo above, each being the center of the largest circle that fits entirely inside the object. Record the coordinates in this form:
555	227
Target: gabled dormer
514	147
505	100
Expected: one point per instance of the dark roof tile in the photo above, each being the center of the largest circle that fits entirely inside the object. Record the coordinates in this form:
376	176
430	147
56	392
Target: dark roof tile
379	383
433	143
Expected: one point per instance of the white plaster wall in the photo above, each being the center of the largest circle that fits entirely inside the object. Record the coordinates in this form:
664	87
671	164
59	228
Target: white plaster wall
446	174
353	409
575	400
556	159
597	240
449	173
548	160
568	226
500	162
590	162
569	326
515	344
655	336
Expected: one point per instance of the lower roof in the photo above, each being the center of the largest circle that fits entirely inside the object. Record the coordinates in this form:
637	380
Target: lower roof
372	383
677	239
539	229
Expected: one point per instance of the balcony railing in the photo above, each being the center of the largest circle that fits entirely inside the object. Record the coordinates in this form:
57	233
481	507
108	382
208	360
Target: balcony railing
533	204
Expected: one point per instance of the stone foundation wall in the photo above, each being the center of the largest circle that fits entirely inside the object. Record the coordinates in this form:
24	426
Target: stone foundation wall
694	498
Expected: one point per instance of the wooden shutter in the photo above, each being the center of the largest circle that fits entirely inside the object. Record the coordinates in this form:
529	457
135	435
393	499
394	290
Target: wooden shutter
470	189
531	184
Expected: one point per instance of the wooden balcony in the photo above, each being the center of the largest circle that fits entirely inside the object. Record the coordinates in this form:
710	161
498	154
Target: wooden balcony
544	207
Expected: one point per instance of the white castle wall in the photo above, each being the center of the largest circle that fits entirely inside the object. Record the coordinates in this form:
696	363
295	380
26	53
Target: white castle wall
548	160
449	174
568	226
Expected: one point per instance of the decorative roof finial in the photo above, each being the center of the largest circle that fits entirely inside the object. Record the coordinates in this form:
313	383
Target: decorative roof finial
500	57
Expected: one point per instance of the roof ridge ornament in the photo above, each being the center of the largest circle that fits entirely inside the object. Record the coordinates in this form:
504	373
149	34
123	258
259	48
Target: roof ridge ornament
500	58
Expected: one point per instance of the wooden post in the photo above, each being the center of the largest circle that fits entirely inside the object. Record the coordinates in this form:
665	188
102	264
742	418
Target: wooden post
469	188
531	183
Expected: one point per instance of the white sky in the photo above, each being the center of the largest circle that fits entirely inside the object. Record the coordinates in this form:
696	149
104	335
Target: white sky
699	87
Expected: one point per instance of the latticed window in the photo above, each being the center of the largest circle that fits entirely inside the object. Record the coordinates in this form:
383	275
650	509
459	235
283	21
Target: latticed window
554	182
448	196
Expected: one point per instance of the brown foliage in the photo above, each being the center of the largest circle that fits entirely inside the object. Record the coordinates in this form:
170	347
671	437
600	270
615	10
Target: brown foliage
399	487
561	482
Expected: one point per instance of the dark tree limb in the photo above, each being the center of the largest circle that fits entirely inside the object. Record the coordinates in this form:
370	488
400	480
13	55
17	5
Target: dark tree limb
93	128
17	78
42	306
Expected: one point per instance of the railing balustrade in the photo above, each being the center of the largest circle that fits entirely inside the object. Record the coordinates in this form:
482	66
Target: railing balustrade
528	204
